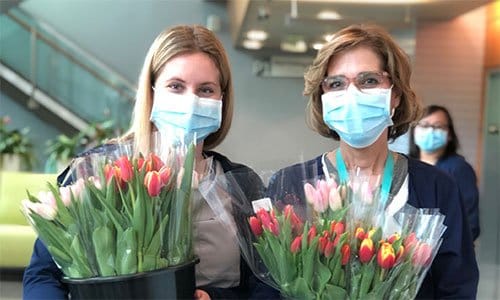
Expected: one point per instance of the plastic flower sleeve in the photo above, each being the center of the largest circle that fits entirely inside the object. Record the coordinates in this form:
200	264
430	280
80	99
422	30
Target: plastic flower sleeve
121	214
227	195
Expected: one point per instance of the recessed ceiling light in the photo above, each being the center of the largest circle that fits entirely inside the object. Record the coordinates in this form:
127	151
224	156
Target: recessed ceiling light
257	35
317	46
295	47
252	44
328	15
328	37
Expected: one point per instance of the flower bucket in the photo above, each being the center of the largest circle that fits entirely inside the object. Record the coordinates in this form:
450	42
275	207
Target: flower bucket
177	282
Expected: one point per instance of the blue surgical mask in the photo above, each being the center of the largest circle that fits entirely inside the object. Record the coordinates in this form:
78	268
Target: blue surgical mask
430	139
358	117
185	116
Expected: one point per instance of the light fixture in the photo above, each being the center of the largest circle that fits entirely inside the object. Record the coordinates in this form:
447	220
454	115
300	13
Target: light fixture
328	37
328	15
252	44
317	46
257	35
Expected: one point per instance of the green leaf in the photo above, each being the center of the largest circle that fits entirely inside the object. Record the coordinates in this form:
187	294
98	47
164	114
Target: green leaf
126	252
104	245
334	292
367	273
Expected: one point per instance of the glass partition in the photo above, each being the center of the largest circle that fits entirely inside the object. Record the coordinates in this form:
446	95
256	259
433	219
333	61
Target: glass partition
73	78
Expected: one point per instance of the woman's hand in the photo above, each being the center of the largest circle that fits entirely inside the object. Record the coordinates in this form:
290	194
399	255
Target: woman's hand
201	295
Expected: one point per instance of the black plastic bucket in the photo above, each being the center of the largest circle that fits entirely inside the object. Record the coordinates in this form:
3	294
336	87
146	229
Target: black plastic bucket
176	282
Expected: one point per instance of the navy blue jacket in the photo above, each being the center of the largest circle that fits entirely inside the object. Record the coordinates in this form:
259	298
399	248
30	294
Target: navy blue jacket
42	277
454	273
464	175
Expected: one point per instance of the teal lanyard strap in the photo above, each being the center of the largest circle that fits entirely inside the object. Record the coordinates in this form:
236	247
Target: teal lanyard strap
386	179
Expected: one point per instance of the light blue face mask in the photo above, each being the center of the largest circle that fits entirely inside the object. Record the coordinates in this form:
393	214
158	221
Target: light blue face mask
185	116
359	118
430	139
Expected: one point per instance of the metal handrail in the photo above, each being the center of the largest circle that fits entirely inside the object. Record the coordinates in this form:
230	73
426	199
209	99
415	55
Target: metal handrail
71	57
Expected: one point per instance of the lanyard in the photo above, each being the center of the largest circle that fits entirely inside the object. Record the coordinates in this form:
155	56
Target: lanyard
386	179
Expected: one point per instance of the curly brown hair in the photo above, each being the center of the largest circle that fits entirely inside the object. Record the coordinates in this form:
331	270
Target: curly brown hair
394	61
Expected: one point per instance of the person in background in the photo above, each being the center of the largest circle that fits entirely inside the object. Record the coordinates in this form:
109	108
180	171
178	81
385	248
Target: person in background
360	95
186	70
435	142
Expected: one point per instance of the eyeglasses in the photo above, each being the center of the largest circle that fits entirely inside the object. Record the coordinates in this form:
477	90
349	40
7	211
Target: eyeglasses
364	81
433	126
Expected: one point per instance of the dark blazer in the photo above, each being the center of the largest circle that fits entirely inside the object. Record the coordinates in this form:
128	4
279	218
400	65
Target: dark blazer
454	273
466	179
42	278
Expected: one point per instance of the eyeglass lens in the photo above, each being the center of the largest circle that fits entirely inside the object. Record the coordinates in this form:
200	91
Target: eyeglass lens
363	81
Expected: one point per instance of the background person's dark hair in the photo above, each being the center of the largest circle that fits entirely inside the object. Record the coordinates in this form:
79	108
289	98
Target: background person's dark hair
453	143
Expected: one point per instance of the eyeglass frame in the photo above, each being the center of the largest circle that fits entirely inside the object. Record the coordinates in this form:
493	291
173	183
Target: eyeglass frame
353	80
437	126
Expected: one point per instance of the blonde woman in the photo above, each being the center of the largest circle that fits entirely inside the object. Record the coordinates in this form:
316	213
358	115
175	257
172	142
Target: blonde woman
186	69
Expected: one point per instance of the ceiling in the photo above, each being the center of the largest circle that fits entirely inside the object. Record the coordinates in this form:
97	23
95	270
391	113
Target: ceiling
291	21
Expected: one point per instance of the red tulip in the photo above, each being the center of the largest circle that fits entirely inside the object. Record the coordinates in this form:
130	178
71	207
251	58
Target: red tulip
346	252
295	246
294	219
385	256
165	174
393	237
153	183
410	242
256	226
151	163
311	234
268	222
322	241
329	249
422	255
338	228
125	167
366	250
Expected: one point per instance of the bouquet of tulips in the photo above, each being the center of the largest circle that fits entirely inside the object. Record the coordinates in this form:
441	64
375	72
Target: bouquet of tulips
123	213
333	241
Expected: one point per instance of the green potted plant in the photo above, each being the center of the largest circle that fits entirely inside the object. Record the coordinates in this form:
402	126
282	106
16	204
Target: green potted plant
16	150
63	148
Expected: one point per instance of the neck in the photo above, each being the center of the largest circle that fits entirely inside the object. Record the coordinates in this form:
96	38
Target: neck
369	160
199	159
431	157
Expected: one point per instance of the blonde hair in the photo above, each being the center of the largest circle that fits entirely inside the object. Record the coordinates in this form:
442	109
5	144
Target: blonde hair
168	44
394	61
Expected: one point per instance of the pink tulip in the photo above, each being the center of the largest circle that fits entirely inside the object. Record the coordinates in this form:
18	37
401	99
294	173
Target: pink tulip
422	255
125	168
42	209
334	199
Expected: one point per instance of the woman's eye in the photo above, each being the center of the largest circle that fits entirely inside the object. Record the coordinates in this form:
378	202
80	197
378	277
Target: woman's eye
370	81
206	90
175	86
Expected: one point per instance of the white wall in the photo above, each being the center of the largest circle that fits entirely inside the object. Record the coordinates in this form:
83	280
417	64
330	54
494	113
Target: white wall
269	130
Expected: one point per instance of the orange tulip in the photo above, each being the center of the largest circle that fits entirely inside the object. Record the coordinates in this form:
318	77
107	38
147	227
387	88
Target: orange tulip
385	256
366	250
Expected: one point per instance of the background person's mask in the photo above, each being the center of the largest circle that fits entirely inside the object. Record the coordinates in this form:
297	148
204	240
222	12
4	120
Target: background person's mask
186	115
430	139
358	118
